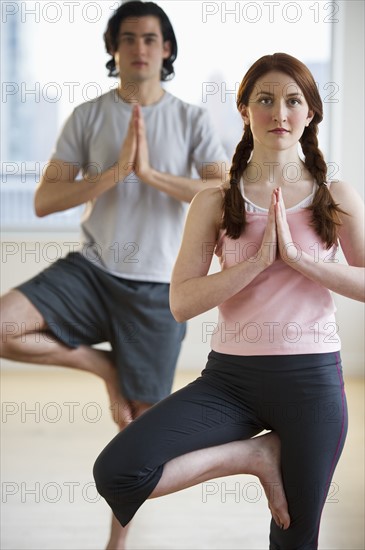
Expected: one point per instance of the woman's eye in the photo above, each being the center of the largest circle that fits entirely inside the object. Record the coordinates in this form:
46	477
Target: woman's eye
265	100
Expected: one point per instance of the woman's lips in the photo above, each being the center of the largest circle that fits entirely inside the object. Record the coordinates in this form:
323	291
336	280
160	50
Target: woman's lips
279	131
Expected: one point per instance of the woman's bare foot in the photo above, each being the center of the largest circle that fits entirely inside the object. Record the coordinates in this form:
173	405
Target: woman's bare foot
267	469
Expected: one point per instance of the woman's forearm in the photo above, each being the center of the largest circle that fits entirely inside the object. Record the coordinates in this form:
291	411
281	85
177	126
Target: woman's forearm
343	279
199	294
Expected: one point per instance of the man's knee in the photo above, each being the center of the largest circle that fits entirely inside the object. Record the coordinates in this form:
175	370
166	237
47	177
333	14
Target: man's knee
9	330
18	318
10	327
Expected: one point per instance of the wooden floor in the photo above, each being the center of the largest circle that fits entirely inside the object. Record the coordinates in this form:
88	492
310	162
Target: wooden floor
54	423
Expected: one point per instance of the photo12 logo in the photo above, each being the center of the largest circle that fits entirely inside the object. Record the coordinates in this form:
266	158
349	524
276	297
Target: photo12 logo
53	12
269	12
50	492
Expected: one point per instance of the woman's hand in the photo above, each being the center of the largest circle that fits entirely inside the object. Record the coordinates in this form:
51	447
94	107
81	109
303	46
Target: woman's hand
288	250
347	280
268	249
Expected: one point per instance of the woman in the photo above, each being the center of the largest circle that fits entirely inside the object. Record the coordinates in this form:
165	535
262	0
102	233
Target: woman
275	361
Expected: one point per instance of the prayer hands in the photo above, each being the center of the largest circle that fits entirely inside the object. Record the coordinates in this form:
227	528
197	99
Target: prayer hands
134	155
277	238
268	250
287	248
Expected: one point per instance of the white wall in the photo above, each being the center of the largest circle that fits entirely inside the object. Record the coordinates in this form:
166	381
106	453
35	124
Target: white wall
347	150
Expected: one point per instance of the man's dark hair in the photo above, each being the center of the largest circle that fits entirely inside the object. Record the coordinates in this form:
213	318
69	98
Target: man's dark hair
140	9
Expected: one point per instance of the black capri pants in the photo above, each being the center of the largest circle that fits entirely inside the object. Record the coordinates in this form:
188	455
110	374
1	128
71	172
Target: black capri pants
300	397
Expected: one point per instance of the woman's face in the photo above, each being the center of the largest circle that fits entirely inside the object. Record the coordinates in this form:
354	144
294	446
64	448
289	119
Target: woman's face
277	112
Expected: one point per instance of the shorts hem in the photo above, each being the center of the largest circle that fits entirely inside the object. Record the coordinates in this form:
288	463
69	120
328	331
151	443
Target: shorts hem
48	319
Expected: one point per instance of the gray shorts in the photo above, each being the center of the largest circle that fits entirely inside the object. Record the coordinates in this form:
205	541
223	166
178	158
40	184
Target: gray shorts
84	305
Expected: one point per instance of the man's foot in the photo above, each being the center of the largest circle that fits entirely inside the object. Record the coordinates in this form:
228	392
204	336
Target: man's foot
120	408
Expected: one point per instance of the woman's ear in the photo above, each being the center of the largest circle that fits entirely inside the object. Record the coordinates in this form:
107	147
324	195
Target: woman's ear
310	117
244	114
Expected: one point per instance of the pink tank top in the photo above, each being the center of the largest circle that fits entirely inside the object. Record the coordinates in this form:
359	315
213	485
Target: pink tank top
280	312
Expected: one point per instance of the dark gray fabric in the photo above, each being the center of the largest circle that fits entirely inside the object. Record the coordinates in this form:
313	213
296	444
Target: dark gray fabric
84	305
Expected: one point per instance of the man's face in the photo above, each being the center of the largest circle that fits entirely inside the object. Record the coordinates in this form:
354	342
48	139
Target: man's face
141	49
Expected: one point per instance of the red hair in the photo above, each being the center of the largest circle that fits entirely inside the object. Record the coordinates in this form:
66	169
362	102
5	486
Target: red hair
325	212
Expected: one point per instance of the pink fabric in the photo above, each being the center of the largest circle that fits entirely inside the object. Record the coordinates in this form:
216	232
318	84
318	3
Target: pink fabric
280	311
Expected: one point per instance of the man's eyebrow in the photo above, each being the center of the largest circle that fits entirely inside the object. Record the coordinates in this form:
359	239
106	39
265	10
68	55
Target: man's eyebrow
149	34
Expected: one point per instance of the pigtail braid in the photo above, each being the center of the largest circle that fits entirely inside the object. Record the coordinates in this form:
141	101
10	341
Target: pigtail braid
325	212
234	214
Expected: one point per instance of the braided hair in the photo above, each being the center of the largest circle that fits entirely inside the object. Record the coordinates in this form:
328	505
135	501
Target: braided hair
325	212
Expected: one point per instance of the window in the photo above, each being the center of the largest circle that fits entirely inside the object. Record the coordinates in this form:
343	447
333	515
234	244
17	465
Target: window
53	58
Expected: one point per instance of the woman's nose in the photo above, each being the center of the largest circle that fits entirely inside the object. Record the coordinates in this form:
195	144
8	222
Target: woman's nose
280	112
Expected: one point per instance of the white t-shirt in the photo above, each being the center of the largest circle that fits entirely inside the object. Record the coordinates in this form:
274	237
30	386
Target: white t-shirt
133	230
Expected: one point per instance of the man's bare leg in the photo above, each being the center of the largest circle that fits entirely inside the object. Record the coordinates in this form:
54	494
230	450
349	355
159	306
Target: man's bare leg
25	338
118	535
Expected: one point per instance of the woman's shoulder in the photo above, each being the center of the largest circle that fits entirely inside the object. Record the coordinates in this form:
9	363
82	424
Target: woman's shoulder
210	202
211	195
344	194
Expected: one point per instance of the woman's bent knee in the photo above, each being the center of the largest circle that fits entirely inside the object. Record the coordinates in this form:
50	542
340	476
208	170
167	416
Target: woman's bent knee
110	483
123	477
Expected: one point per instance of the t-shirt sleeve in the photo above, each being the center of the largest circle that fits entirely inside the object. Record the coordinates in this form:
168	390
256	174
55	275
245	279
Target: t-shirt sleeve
206	145
70	145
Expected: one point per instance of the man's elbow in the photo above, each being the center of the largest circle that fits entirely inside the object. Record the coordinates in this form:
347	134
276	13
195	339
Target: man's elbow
40	208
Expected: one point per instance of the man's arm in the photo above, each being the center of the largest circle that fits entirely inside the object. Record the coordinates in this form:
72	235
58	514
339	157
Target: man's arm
59	190
184	189
181	188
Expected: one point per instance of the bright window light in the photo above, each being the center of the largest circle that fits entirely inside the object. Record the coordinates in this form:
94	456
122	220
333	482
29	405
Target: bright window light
53	58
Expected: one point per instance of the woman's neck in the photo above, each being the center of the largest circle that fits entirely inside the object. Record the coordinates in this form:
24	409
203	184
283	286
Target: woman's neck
277	168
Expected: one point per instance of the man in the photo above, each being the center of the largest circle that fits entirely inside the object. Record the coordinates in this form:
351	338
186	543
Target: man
135	147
